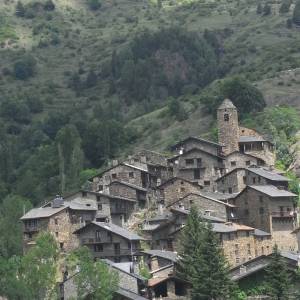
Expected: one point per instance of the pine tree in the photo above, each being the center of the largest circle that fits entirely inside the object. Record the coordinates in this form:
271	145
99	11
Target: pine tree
202	262
285	6
49	5
277	280
296	14
267	9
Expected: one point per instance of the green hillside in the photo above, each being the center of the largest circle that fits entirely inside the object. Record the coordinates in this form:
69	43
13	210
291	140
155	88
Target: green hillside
100	81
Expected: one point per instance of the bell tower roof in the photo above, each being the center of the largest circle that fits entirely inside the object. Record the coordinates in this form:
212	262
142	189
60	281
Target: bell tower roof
226	104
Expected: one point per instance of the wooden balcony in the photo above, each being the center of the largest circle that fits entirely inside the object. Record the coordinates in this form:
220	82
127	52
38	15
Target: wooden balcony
284	214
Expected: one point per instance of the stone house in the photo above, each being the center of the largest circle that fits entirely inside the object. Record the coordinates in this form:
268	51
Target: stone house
60	218
232	182
130	191
174	189
110	241
131	286
124	172
199	143
207	205
270	209
237	159
263	176
158	259
199	166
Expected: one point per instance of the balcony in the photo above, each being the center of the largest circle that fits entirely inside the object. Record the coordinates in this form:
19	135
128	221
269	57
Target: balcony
284	214
33	228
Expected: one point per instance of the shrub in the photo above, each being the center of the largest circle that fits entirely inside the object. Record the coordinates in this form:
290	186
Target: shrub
24	68
94	4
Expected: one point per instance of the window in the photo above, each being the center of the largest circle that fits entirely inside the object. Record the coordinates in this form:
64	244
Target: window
226	117
84	194
56	234
131	175
98	248
182	189
100	189
189	161
261	199
114	175
248	163
237	260
98	198
56	221
61	246
254	180
233	163
129	245
261	210
199	161
99	206
206	182
246	212
230	190
247	233
196	174
244	179
98	235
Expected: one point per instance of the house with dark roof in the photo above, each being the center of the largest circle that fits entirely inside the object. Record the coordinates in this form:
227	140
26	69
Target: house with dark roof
207	204
60	218
270	209
174	189
196	142
198	165
107	240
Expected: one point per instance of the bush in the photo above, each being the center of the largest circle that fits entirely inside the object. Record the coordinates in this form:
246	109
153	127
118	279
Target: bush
24	68
20	9
296	13
49	5
94	4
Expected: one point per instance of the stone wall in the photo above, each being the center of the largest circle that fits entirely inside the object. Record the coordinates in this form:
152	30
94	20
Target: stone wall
233	182
228	128
119	189
240	160
176	189
217	208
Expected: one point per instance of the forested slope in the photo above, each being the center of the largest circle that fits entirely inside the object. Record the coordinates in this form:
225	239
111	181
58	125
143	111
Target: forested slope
84	81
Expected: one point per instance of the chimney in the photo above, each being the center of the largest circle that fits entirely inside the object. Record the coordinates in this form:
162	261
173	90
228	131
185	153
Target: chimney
115	162
57	202
243	269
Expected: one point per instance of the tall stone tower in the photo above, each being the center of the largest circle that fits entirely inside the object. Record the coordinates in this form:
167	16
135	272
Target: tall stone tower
228	127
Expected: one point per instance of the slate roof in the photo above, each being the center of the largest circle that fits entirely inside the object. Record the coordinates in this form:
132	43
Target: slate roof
258	232
227	103
196	139
48	211
206	217
129	295
230	172
136	187
177	178
219	196
192	150
226	228
172	256
267	174
114	229
272	191
290	255
162	217
252	138
42	212
116	197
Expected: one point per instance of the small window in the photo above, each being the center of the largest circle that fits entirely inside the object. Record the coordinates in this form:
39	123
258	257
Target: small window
196	174
261	210
129	245
99	206
226	117
199	161
206	182
244	179
182	189
98	198
259	179
56	234
100	189
189	161
131	175
114	175
248	163
84	194
98	248
237	260
61	246
247	233
233	163
246	212
254	180
56	221
230	190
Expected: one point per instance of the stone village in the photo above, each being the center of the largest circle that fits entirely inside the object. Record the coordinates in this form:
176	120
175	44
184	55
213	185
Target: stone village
135	210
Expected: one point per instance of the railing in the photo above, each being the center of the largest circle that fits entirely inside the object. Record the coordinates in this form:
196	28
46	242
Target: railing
284	214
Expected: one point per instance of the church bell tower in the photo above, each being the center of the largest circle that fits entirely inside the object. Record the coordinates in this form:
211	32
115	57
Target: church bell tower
228	127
